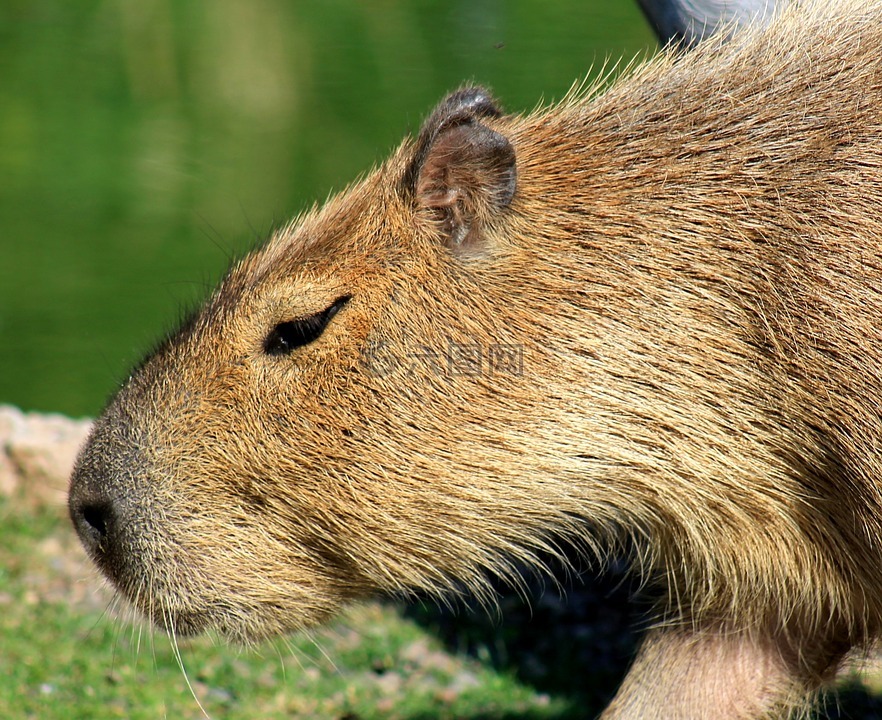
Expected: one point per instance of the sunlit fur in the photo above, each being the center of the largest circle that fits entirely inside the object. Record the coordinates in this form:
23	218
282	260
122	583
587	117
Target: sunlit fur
692	266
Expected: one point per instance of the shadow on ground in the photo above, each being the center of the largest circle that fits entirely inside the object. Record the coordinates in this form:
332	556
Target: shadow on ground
574	641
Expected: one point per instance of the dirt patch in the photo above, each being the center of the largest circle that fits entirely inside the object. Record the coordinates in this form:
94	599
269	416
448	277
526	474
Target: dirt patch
37	453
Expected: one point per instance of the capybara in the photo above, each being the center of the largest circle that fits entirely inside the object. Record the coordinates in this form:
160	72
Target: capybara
644	319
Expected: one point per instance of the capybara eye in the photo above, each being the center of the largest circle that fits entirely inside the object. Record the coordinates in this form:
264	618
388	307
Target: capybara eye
290	335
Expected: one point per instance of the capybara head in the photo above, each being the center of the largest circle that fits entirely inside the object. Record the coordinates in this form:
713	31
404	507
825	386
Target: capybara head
332	421
647	318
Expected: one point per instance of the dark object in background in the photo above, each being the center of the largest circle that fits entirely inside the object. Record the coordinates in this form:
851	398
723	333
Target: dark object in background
689	21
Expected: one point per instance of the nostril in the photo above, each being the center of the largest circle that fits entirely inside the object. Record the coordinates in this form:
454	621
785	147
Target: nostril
96	518
93	521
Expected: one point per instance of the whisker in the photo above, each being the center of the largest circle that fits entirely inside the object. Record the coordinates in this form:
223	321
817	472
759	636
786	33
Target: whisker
176	650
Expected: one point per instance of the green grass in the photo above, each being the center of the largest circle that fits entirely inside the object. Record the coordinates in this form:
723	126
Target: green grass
63	656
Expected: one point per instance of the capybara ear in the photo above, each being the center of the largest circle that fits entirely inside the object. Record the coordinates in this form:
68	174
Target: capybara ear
462	172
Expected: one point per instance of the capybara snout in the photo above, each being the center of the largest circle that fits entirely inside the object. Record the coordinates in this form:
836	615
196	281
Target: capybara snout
643	318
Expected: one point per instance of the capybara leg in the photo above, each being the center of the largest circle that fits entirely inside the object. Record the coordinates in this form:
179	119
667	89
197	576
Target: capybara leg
683	675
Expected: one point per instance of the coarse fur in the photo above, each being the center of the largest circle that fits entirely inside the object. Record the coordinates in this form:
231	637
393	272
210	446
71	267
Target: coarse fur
643	318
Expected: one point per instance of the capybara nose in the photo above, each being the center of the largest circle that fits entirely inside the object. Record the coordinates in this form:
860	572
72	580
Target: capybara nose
94	520
95	500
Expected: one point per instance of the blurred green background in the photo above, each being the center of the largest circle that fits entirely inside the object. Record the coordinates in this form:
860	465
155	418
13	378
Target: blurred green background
143	143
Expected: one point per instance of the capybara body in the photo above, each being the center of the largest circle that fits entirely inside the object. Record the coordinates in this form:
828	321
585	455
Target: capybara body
644	320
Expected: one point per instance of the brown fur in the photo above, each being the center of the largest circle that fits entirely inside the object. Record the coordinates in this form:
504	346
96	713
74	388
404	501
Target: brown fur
691	264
